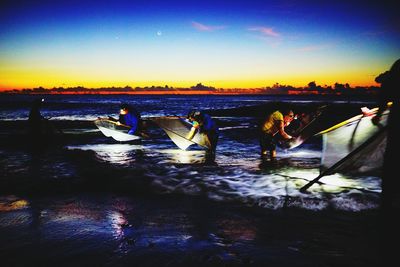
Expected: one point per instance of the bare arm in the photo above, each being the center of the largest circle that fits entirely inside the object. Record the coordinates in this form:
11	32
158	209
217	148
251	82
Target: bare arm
282	131
191	133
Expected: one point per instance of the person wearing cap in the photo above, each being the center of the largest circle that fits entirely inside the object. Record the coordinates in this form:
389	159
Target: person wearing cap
129	116
274	124
203	123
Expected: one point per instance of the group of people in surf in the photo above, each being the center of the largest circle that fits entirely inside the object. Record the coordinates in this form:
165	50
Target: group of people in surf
203	123
274	125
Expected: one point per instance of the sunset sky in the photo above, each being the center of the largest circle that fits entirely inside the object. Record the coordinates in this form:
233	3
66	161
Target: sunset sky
225	44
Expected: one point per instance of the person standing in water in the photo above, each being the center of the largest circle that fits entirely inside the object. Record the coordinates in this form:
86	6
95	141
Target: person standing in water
204	124
129	116
36	121
274	124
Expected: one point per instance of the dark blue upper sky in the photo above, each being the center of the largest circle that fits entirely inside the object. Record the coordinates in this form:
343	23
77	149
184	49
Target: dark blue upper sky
221	43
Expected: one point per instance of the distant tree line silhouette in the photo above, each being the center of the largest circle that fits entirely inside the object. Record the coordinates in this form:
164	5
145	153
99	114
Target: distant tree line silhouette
311	88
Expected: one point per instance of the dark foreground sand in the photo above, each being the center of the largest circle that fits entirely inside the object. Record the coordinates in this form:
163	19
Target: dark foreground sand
97	229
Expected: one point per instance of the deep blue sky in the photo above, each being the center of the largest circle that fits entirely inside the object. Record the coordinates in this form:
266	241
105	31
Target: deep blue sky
218	43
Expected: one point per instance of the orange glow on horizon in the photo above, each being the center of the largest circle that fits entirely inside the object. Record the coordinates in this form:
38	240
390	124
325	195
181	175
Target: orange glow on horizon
224	85
18	77
186	92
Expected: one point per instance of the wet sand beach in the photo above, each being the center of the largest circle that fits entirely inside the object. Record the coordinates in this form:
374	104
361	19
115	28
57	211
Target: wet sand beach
124	230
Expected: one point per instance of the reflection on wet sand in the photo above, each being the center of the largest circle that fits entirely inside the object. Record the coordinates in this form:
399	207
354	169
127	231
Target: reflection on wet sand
12	203
183	156
112	230
239	229
122	154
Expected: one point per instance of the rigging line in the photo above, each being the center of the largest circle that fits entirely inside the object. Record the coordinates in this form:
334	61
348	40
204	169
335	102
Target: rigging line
340	162
182	136
322	183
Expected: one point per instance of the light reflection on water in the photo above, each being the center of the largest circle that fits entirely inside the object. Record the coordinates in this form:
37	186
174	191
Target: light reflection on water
239	229
12	203
121	154
240	175
117	221
105	229
183	156
114	224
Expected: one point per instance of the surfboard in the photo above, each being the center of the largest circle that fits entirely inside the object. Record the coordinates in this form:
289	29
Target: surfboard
177	129
118	132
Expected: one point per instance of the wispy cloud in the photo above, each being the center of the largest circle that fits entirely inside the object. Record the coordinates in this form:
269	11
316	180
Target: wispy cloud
312	48
265	31
206	28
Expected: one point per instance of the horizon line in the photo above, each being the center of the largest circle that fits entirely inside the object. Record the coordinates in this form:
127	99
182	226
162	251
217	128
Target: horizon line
198	87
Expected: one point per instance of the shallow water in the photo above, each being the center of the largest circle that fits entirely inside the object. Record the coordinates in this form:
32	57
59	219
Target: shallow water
89	200
238	174
121	230
90	107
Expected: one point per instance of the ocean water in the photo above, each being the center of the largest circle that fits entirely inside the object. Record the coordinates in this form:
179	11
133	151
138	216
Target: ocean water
238	174
89	107
79	198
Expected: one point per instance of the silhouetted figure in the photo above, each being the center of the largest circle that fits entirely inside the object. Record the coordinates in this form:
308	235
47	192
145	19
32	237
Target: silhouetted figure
36	120
390	85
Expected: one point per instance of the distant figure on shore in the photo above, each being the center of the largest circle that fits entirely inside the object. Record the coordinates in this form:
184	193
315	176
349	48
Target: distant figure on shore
36	120
390	85
129	116
203	123
275	123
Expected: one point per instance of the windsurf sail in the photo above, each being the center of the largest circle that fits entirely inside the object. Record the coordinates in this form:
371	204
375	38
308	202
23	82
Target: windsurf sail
354	146
118	132
178	128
